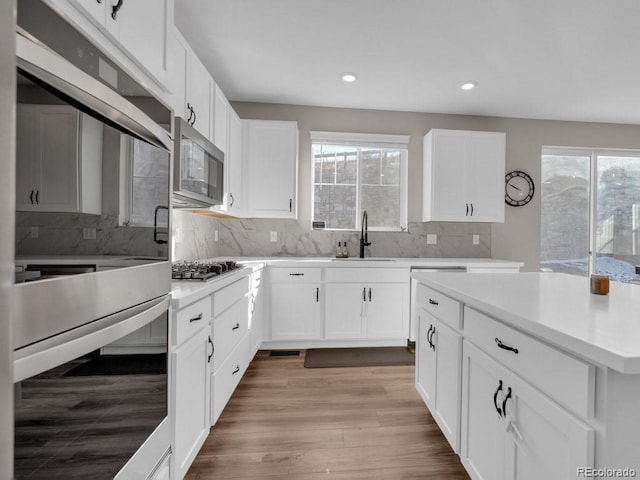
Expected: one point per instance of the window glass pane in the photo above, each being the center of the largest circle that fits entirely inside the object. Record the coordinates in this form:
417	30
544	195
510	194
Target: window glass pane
564	243
382	204
346	166
370	166
391	168
335	205
617	241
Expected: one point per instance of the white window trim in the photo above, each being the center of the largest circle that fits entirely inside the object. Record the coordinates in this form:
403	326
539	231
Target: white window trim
372	140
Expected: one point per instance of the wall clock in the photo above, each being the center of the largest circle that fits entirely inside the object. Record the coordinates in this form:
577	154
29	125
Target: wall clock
518	188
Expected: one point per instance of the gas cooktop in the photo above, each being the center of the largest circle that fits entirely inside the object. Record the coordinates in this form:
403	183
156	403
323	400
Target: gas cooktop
201	270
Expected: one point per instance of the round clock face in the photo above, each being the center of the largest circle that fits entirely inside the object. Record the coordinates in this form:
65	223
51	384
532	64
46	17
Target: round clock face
518	188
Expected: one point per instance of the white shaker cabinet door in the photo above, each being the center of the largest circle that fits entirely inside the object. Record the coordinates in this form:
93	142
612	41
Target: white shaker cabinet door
295	312
345	311
426	360
386	307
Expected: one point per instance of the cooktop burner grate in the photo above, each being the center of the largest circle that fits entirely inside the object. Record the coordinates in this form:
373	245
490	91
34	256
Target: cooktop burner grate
201	270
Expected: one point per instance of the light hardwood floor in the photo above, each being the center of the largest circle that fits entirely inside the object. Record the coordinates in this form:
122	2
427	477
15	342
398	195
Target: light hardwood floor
288	422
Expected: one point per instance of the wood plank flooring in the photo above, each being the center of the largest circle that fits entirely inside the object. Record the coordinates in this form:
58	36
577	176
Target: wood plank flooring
288	422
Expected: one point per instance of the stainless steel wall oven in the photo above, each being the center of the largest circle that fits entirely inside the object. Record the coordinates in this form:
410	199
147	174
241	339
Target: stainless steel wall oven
93	274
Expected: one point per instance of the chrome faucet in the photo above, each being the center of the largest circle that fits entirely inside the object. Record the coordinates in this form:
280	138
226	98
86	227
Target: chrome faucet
364	237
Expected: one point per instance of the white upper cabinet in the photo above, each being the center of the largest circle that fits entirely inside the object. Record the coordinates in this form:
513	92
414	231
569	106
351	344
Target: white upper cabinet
58	160
221	110
140	28
463	176
270	151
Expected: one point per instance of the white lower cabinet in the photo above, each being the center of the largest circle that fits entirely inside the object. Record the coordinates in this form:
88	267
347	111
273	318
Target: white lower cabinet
438	351
191	398
296	312
511	431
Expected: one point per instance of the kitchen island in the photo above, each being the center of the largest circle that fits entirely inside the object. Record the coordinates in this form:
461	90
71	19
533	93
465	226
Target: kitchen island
530	375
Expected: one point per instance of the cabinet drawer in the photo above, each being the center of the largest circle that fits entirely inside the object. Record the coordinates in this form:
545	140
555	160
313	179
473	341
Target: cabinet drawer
295	274
228	329
367	275
190	319
566	379
223	299
440	306
226	379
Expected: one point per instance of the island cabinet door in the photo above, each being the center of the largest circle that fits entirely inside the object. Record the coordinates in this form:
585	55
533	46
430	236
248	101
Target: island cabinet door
482	432
542	440
426	360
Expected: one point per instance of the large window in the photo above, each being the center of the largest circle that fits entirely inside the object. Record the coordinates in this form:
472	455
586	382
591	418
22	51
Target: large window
590	219
357	172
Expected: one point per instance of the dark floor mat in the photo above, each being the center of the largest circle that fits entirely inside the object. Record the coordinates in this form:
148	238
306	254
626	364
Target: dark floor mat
144	364
358	357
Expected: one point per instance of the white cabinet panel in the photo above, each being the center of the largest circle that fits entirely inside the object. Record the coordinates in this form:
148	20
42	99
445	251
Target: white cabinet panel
270	150
345	311
387	311
463	176
221	110
199	96
295	311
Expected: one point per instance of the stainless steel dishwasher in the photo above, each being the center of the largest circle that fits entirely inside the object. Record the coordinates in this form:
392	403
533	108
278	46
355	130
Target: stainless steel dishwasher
413	326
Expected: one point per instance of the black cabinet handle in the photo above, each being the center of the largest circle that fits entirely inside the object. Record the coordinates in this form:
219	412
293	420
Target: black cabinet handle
472	209
495	398
317	294
195	116
369	293
467	214
196	318
231	197
429	333
37	197
364	294
116	8
296	274
236	370
504	402
433	302
31	197
212	350
506	347
190	113
290	205
236	326
433	345
99	1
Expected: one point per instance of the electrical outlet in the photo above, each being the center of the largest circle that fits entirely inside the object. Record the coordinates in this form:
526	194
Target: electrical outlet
89	233
476	239
432	239
34	232
274	236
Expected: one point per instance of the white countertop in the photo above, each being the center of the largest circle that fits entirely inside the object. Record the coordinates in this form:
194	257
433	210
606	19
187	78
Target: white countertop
557	308
184	292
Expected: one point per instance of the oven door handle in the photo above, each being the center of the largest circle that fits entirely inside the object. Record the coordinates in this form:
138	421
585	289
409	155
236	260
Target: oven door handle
41	356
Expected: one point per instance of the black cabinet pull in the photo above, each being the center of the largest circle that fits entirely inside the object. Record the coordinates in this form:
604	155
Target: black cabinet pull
467	214
506	347
236	370
369	293
433	302
37	197
290	205
99	1
504	402
429	333
212	350
231	197
317	294
433	345
190	113
472	209
31	197
195	116
364	294
236	326
495	398
116	8
196	318
296	274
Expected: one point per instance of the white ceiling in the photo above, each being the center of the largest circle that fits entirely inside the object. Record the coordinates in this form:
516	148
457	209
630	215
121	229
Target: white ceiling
548	59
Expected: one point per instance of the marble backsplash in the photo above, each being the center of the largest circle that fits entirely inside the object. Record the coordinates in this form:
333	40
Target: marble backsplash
63	234
195	238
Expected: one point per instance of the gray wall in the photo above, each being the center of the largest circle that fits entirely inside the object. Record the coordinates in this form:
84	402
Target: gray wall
7	206
518	238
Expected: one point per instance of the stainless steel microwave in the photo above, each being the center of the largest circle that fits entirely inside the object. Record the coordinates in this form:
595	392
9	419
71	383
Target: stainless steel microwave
198	169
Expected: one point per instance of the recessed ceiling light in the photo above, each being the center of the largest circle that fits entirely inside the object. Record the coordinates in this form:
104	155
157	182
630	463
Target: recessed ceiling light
468	85
349	77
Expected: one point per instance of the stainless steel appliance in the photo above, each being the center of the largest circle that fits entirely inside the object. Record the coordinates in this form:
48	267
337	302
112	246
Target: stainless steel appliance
104	274
198	178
